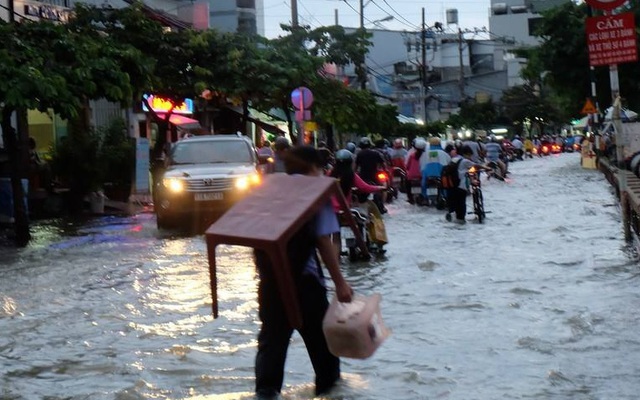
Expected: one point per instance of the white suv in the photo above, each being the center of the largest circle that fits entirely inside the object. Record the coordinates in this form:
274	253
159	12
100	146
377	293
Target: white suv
204	174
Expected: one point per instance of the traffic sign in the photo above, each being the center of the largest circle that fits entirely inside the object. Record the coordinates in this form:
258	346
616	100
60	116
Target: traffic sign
589	108
302	98
605	4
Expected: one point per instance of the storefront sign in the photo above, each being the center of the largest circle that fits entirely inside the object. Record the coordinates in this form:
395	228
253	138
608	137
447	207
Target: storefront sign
612	39
160	105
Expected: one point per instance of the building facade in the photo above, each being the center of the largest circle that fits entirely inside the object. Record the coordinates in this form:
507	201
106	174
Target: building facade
517	19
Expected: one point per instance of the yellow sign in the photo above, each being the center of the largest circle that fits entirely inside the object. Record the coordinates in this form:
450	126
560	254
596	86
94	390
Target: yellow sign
589	108
310	126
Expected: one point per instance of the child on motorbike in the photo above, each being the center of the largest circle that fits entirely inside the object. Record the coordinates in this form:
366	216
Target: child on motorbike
348	179
415	162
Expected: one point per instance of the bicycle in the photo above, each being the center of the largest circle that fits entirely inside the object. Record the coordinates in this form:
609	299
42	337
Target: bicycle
475	188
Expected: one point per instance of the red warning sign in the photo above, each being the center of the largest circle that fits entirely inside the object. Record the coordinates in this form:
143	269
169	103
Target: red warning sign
612	39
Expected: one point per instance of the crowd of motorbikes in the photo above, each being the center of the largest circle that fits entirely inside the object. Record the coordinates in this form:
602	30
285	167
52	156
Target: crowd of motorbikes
367	209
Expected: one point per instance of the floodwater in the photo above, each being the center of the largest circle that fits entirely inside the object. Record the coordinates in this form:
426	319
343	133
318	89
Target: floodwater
539	302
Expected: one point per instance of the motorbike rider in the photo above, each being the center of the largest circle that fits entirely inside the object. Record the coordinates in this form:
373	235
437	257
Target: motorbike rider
415	161
368	163
398	154
348	179
494	152
518	146
436	159
477	147
281	146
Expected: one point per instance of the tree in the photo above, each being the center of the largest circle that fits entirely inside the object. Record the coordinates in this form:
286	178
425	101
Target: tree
50	66
564	54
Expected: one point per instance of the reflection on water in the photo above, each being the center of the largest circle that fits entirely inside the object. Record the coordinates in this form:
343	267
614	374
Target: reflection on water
518	307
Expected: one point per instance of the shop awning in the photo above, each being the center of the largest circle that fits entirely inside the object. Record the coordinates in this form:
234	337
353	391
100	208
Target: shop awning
258	118
183	122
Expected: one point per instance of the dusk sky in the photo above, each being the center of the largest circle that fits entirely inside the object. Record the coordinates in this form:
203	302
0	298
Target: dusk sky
407	13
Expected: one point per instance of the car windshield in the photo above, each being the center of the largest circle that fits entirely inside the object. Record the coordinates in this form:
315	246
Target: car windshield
206	152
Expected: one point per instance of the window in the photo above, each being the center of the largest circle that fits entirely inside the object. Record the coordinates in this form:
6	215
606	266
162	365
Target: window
211	152
534	23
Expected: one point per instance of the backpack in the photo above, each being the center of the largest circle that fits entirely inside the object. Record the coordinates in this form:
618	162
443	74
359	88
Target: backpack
450	178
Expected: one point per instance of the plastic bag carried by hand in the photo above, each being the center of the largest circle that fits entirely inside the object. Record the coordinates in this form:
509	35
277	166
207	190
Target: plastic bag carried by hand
356	329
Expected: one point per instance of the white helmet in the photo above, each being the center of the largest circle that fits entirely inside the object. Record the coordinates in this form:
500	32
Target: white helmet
420	144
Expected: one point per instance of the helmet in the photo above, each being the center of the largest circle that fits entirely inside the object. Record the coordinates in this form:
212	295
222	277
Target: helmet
282	143
397	144
351	147
344	155
365	142
420	144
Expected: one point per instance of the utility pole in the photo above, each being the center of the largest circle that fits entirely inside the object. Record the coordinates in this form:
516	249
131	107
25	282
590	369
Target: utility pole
423	70
363	81
461	82
294	13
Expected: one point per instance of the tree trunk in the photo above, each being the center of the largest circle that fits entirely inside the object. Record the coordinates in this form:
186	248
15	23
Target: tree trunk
331	141
294	137
17	151
245	116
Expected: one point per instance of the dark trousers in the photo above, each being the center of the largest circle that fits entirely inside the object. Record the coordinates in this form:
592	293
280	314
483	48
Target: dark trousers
275	334
457	201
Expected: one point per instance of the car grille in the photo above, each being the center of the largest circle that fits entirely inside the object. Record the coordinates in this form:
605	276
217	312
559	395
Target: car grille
209	184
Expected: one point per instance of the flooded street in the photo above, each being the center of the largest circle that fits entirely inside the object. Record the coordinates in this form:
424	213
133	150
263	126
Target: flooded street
539	302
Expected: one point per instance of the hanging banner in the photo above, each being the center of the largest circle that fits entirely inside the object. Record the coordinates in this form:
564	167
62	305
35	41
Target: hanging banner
611	39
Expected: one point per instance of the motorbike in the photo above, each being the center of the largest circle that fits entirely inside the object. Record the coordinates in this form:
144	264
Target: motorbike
362	219
398	179
495	172
384	179
435	194
265	164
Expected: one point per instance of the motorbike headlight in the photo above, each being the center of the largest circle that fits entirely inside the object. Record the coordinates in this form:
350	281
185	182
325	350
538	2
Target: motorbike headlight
173	184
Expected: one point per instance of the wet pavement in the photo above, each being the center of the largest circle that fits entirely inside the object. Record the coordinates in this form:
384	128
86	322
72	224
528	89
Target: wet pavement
539	302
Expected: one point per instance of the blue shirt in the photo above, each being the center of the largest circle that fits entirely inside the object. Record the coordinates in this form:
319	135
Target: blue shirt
326	224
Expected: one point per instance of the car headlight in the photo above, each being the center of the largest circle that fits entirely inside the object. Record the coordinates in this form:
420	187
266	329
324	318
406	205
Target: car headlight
245	182
173	184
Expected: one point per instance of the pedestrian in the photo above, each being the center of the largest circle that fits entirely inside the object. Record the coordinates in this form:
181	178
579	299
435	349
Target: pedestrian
275	332
457	197
265	150
281	146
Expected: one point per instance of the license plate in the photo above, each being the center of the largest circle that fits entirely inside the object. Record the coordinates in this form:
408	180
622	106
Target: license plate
416	190
432	191
346	232
208	196
397	179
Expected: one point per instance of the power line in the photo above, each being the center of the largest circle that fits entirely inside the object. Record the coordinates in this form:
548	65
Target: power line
410	25
394	10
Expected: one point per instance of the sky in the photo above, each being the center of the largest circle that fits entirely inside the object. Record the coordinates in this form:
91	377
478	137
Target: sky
407	13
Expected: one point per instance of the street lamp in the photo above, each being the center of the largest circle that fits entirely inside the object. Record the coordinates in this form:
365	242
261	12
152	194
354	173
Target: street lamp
378	21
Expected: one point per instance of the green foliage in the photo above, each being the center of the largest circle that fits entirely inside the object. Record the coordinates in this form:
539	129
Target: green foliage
475	115
564	55
86	160
117	154
76	160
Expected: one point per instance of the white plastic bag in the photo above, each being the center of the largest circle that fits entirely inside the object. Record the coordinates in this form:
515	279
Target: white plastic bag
356	329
